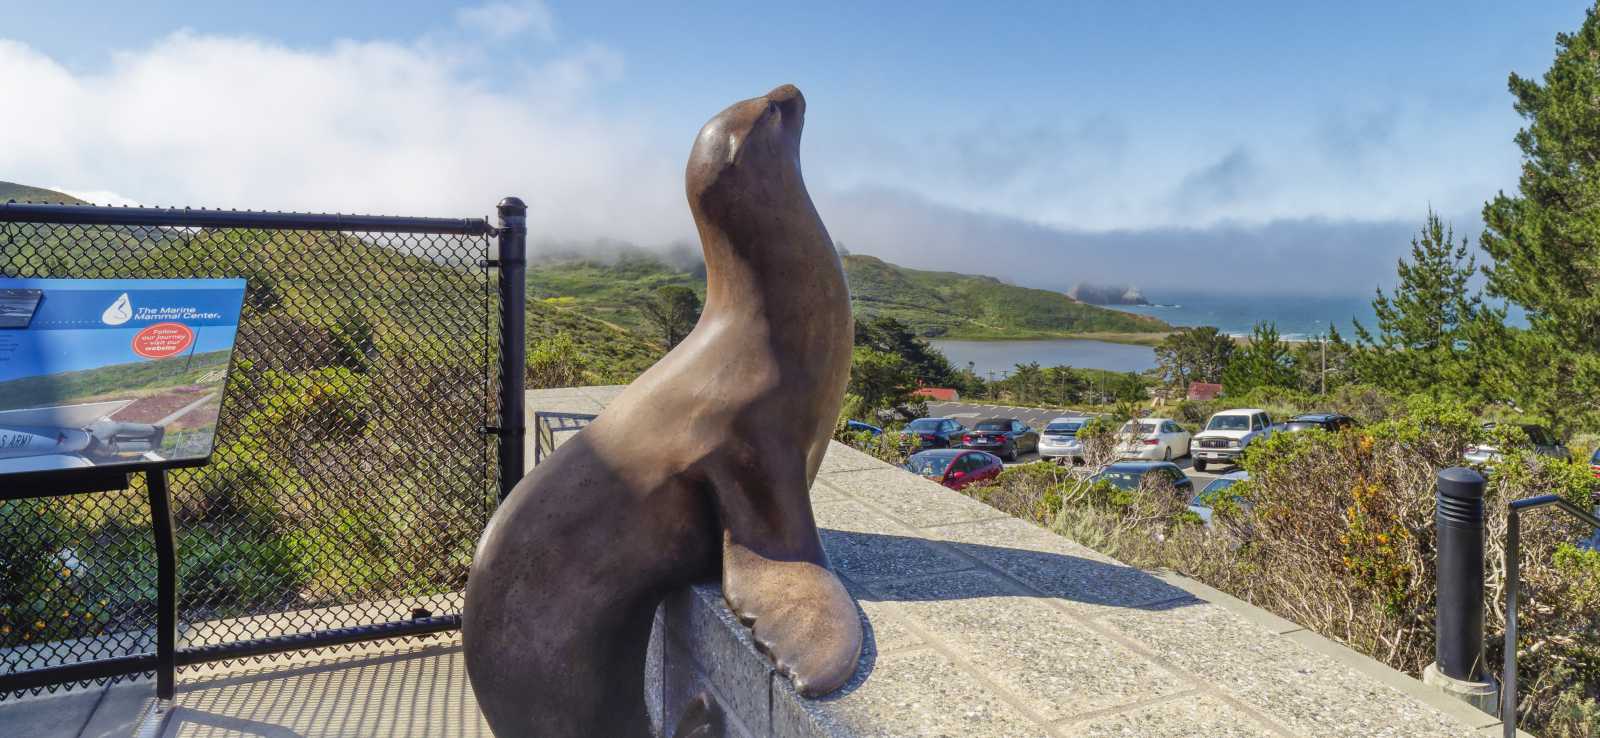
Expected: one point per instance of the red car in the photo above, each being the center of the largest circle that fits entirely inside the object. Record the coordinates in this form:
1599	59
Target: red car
953	467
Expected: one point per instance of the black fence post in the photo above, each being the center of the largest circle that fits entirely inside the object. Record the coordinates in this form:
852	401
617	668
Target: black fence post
155	483
1458	618
513	258
1508	675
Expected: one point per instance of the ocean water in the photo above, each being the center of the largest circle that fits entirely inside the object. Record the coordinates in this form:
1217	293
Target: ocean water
997	358
1297	316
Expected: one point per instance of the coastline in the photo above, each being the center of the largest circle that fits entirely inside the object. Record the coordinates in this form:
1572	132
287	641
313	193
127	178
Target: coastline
1130	338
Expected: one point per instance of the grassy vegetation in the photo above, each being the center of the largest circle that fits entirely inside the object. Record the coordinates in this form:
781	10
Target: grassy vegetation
607	292
951	305
24	193
943	304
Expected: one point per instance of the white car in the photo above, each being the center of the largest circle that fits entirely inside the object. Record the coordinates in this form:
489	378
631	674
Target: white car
1152	438
1059	439
1228	433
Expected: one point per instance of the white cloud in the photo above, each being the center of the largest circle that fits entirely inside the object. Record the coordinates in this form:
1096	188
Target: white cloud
363	127
420	129
502	20
97	197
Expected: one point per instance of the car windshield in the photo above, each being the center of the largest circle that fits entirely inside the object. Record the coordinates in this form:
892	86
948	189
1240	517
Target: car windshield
1121	479
928	466
1299	425
925	425
994	425
1140	428
1213	492
1066	428
1229	423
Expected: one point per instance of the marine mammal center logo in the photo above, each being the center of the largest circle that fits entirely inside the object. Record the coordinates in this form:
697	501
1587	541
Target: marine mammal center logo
120	311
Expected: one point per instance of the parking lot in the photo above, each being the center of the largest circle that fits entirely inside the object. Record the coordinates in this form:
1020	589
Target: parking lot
967	413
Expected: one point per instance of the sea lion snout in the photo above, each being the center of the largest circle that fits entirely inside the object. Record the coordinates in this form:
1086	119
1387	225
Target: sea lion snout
752	134
789	101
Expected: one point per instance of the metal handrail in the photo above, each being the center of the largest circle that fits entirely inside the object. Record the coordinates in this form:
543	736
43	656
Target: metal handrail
544	435
1508	696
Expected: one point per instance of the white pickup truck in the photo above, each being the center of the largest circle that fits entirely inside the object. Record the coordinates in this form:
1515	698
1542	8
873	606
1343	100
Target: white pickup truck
1227	434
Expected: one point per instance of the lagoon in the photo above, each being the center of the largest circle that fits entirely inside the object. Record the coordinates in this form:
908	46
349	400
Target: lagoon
1003	356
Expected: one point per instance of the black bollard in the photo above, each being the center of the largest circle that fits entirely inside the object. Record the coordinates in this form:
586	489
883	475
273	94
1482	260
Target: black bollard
1458	617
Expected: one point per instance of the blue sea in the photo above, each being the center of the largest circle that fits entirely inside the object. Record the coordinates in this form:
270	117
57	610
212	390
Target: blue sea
1304	317
1297	316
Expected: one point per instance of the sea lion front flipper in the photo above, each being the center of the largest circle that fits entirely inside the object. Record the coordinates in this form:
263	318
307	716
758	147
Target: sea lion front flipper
776	579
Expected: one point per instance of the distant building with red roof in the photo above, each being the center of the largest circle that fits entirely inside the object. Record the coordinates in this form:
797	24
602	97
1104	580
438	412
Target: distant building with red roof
940	394
1203	391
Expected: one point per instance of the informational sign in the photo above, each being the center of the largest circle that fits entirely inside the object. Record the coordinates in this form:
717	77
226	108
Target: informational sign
107	372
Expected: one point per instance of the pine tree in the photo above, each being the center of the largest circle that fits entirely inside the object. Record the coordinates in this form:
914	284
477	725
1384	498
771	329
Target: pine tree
673	310
1425	326
1263	362
1545	240
1193	355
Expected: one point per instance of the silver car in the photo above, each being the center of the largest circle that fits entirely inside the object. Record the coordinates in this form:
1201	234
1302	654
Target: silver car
1059	439
1544	442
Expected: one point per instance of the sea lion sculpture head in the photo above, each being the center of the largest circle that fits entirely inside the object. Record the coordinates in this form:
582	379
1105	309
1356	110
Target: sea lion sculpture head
752	149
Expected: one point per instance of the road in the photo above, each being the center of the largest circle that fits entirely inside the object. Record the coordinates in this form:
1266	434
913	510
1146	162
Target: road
1036	418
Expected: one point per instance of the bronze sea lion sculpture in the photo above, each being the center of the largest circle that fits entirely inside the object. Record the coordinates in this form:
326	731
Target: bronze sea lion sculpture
705	461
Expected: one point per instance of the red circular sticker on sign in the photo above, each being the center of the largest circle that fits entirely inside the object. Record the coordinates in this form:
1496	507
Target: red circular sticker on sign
162	340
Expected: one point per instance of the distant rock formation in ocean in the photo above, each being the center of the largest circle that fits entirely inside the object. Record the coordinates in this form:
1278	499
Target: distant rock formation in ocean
1101	294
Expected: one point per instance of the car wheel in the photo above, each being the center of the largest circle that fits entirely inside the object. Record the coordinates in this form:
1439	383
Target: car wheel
1012	454
1166	454
1199	465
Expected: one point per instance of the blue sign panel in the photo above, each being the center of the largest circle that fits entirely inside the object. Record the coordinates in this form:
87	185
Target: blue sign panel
97	373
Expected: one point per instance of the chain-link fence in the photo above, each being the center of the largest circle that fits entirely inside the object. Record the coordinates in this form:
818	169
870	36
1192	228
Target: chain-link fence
357	450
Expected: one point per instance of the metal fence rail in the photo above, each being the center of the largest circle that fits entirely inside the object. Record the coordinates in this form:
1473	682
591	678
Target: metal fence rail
546	424
1508	683
373	418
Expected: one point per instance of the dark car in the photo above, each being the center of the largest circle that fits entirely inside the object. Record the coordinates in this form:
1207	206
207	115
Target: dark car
954	467
931	433
856	426
1129	475
1004	437
1330	422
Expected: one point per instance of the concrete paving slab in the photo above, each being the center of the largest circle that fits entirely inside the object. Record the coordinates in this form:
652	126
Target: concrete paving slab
910	499
1306	691
864	545
49	716
1081	580
915	694
403	694
123	709
1181	717
1042	656
842	458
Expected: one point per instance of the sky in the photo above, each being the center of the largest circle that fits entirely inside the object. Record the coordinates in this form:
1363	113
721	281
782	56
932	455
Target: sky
1265	146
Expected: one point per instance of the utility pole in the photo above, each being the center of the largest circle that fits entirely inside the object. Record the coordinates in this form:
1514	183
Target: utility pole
1324	389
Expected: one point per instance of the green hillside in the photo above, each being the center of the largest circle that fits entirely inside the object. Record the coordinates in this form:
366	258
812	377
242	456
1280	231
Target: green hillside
943	304
606	291
24	193
953	305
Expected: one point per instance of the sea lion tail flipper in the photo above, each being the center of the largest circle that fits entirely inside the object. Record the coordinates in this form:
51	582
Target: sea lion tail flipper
776	579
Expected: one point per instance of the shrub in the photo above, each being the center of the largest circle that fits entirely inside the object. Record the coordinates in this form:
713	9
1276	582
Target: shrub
1335	531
